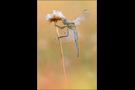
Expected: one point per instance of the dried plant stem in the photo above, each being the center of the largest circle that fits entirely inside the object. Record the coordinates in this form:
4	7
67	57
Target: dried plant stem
61	55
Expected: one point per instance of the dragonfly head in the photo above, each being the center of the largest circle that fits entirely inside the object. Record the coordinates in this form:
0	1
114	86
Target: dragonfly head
65	21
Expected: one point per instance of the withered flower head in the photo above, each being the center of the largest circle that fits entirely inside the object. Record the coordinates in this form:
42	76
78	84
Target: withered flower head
55	16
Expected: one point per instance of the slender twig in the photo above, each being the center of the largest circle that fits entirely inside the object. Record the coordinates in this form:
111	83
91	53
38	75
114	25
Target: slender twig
61	55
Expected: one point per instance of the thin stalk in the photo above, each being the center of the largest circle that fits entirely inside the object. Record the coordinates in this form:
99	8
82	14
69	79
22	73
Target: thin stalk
61	55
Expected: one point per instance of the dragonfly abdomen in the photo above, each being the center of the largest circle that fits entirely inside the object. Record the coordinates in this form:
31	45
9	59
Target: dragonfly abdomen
76	42
77	48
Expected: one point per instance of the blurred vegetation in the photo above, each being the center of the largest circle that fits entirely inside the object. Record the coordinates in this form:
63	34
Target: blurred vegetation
81	72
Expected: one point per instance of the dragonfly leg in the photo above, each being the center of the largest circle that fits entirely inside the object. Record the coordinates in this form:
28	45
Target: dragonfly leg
65	35
61	27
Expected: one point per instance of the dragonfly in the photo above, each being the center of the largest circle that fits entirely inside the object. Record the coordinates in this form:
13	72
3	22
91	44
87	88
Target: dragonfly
72	33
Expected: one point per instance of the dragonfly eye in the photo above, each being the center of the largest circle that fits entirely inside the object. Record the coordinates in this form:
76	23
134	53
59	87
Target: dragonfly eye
65	20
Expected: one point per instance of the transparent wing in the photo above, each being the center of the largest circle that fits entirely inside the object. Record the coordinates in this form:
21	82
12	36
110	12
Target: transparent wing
83	17
69	38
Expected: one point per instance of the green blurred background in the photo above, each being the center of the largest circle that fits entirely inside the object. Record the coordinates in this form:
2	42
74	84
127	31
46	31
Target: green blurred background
81	72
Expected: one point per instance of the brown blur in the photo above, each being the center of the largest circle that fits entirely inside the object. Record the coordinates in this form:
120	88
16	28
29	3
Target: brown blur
81	72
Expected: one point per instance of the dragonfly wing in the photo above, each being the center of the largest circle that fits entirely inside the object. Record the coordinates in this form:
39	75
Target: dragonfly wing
69	38
83	17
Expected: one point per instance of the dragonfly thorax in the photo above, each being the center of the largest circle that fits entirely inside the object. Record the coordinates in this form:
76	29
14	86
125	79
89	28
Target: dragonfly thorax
71	25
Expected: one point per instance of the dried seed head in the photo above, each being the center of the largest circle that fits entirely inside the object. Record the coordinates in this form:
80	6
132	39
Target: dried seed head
55	16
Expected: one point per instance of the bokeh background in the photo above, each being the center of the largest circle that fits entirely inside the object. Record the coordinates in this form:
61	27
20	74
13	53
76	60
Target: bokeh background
81	72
